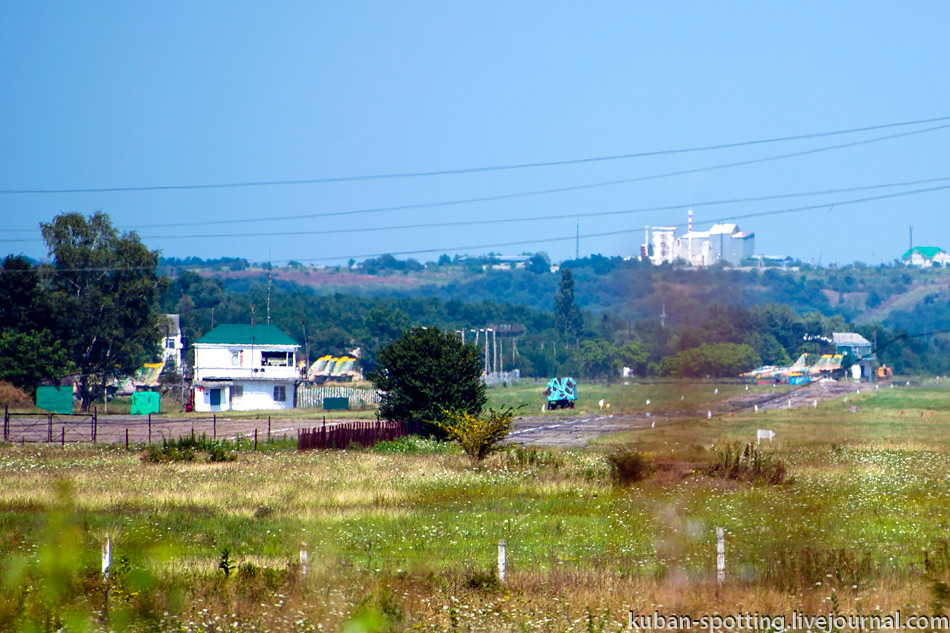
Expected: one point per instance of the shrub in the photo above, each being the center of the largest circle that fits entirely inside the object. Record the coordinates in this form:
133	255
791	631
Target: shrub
478	436
748	463
219	454
628	465
168	453
413	445
13	396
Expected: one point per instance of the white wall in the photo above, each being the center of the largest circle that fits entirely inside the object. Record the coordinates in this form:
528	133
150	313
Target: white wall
256	395
260	395
216	362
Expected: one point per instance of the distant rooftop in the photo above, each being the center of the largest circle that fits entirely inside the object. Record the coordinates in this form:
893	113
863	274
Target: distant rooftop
927	251
240	334
849	338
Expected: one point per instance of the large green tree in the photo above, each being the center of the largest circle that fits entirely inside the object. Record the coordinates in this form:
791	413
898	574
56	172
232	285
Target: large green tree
425	373
27	358
567	316
103	293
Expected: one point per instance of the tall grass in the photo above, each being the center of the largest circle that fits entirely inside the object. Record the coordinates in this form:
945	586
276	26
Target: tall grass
404	539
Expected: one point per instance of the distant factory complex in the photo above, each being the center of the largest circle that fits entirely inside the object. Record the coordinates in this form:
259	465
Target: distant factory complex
721	243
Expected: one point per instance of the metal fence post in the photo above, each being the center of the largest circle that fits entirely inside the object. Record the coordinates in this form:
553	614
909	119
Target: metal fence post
49	428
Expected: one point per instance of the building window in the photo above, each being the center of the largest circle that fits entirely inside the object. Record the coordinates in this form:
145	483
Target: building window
280	393
169	343
236	358
237	392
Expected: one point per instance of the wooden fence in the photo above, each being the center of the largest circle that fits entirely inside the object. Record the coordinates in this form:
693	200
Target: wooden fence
350	434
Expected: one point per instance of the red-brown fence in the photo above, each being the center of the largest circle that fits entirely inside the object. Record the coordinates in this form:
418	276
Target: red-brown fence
343	436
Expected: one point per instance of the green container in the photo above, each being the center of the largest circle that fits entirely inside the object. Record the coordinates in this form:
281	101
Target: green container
55	399
145	402
336	404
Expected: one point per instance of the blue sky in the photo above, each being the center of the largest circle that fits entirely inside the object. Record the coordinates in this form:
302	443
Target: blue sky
104	95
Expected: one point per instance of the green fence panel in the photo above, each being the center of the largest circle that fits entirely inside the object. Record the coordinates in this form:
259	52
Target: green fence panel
336	404
145	402
55	399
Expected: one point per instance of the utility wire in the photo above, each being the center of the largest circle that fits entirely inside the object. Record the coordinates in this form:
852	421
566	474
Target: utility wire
573	215
468	170
522	194
561	216
614	232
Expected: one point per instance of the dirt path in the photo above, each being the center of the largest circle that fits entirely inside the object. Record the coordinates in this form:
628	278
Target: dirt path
112	429
577	430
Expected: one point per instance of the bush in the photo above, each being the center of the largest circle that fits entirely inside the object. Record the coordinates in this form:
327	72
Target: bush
628	465
414	445
168	453
479	436
748	463
12	396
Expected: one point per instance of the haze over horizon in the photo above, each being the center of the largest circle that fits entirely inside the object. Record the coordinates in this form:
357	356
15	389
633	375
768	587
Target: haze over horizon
147	112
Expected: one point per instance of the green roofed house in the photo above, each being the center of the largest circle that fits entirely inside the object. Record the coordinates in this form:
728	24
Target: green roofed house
926	256
244	368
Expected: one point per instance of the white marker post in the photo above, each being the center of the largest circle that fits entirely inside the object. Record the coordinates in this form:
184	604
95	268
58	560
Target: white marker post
106	557
720	556
501	560
304	559
756	408
709	415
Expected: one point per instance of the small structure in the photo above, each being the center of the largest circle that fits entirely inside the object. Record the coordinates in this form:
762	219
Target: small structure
327	368
245	367
926	256
859	349
171	343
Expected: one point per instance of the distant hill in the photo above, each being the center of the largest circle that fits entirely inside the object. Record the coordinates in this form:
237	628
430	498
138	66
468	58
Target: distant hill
896	296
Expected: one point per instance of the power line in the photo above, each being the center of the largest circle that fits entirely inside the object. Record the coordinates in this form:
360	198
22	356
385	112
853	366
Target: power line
614	232
524	194
467	170
545	218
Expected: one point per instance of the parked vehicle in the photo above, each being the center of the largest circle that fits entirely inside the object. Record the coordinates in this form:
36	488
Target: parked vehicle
561	393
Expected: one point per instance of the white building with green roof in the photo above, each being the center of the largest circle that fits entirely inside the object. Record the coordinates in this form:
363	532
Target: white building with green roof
245	368
926	256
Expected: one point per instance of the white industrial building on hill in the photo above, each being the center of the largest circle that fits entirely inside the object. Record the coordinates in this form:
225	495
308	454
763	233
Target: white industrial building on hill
721	243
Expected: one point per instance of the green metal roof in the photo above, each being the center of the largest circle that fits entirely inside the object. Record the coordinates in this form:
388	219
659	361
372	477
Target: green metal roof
927	251
237	334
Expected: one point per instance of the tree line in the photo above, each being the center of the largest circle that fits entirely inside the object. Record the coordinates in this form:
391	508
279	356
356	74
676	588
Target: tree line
94	310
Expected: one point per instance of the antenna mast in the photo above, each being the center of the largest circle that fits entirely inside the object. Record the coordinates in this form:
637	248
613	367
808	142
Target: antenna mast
577	241
268	298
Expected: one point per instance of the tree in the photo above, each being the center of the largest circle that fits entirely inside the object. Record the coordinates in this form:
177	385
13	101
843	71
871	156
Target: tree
636	356
538	264
711	359
21	296
27	358
599	359
104	291
567	317
426	372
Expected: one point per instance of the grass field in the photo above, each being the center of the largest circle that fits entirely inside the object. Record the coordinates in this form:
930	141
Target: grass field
408	540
